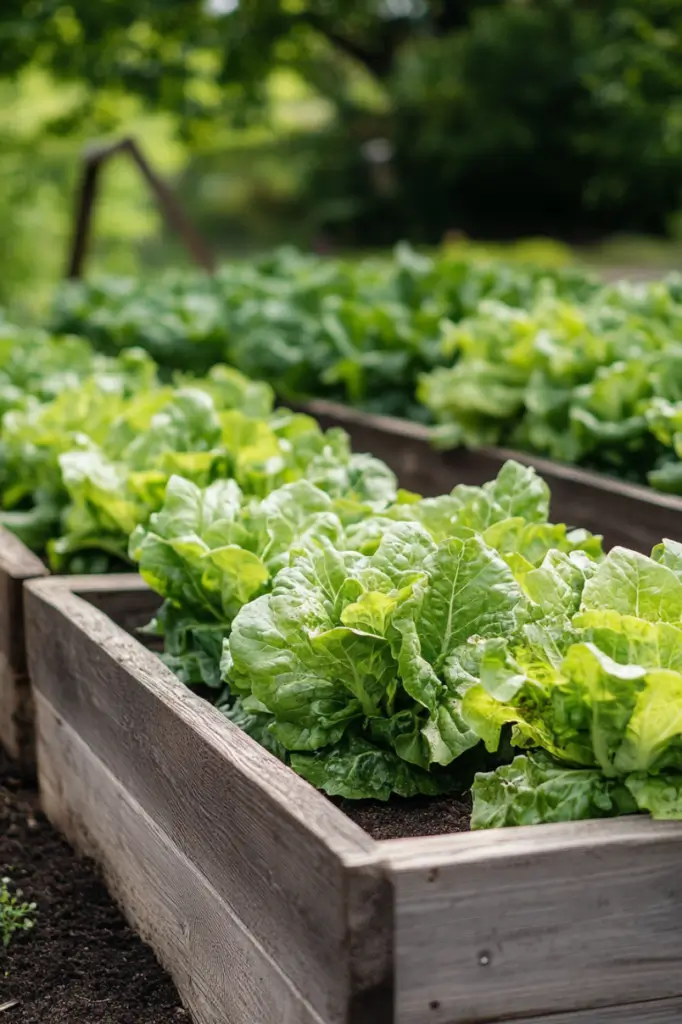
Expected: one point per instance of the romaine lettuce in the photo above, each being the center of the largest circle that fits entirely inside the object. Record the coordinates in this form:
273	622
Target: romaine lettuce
600	713
358	330
597	383
352	626
88	444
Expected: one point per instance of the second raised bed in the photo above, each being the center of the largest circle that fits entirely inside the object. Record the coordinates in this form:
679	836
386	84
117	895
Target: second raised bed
628	514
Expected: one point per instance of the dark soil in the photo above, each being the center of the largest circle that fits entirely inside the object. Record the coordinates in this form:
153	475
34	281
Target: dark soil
81	964
421	816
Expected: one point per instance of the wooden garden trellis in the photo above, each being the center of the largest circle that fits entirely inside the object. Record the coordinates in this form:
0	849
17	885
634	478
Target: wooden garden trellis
95	156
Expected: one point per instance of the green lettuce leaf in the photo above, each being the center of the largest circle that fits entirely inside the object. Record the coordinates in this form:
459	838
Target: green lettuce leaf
632	584
612	705
593	383
356	769
660	795
533	790
382	633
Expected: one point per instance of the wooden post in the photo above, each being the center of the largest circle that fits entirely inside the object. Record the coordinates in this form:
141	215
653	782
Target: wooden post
17	564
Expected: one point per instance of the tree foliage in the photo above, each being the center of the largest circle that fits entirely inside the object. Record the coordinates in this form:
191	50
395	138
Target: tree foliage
155	47
499	116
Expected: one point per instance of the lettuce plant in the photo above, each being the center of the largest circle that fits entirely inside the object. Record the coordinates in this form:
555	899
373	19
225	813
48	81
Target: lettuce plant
345	613
86	452
355	330
595	700
210	551
599	384
114	487
34	364
381	643
57	395
359	660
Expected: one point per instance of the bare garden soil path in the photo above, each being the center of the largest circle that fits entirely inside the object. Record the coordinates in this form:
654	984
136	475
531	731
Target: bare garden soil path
81	964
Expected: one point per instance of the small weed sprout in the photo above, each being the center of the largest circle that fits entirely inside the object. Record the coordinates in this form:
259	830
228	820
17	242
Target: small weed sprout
15	915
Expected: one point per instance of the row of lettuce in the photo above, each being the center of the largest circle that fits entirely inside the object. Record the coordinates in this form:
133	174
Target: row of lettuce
88	444
378	642
354	330
546	361
417	646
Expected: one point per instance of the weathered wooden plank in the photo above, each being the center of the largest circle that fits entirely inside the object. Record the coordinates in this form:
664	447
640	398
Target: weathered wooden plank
523	923
17	564
627	514
219	968
131	604
124	597
654	1011
303	879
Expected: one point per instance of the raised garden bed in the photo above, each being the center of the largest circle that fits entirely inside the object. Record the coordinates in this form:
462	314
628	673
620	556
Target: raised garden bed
267	903
627	514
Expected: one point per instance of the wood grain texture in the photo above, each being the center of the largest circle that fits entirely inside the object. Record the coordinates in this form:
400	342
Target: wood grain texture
123	597
627	514
220	970
523	923
17	560
16	716
17	564
654	1011
304	880
129	601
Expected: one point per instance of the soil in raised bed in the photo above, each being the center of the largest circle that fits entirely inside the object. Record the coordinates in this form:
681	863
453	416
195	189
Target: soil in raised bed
420	816
81	964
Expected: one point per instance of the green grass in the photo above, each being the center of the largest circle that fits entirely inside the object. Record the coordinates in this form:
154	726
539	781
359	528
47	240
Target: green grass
15	914
633	252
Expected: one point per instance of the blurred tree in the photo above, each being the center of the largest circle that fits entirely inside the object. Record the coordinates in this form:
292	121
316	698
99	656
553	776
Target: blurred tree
497	116
160	48
38	167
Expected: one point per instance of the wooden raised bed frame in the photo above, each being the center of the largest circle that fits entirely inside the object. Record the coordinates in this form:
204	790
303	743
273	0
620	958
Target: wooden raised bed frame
628	514
18	564
269	906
